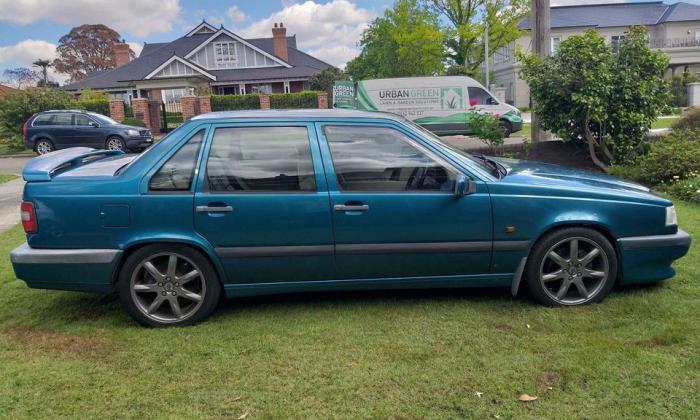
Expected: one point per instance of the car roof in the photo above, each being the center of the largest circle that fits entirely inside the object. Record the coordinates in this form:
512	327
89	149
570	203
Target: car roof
298	113
82	111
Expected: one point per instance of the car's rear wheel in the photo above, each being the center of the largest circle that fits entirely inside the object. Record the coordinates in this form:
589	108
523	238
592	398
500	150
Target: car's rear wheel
115	143
571	267
43	147
507	128
168	285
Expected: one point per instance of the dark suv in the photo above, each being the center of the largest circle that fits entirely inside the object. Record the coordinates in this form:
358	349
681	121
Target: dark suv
47	131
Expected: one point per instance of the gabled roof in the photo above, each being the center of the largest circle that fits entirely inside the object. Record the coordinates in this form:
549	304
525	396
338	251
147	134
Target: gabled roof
195	68
619	14
203	27
224	31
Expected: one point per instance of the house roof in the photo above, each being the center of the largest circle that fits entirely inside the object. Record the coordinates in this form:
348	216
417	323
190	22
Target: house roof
154	55
5	90
619	14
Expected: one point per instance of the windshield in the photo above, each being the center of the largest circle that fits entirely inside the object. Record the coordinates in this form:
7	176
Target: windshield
102	119
481	163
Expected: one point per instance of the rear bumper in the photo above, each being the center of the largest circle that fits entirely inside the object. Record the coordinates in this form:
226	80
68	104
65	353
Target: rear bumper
647	259
85	270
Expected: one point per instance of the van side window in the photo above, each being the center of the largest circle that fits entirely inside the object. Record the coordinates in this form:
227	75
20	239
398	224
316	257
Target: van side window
480	96
177	173
384	159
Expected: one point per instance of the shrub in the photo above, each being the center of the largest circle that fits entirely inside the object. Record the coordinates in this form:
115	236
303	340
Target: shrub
93	95
235	102
673	157
305	99
487	128
99	106
133	121
686	189
689	120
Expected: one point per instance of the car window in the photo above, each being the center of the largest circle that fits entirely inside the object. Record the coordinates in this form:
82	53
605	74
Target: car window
62	119
44	119
478	96
82	120
177	173
260	159
384	159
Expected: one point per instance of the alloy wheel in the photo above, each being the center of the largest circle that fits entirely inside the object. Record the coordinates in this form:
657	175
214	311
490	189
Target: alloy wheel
114	144
43	147
167	287
574	271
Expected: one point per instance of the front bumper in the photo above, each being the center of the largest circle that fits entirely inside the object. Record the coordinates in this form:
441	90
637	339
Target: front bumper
647	259
139	143
85	270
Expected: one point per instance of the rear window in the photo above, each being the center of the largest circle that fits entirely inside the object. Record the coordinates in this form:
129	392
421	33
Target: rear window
43	119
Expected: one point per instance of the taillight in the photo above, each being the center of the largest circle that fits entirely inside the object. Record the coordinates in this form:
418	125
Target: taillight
28	217
26	126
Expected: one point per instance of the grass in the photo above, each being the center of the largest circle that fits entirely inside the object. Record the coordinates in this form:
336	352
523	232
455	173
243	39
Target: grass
526	131
5	150
7	177
390	354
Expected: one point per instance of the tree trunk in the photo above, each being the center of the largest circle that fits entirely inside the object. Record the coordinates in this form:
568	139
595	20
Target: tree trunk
592	146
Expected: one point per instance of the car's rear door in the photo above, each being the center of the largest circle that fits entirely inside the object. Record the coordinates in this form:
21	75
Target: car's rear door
61	129
395	215
262	202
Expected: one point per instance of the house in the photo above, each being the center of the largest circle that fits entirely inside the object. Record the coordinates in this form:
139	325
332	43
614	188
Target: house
673	28
6	90
207	57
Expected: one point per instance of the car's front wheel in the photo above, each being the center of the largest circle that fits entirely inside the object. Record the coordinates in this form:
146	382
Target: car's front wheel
43	147
168	285
570	267
115	143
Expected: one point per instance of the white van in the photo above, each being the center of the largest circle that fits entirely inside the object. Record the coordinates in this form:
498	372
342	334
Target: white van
441	103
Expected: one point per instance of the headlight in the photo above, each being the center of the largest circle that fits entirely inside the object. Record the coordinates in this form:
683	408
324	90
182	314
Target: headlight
132	133
671	218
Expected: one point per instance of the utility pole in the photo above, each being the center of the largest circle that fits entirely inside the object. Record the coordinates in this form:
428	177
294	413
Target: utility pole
541	46
486	49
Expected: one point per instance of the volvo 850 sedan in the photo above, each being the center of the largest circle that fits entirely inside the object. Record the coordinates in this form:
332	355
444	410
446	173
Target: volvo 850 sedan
261	202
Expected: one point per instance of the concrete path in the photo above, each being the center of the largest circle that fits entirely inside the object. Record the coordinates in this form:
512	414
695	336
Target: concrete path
12	165
10	199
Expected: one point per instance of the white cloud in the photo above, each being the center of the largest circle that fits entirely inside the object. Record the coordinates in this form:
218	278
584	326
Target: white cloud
235	14
136	17
25	52
328	31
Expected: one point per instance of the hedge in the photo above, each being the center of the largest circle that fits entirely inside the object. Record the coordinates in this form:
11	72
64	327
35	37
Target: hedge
99	106
305	99
235	102
133	121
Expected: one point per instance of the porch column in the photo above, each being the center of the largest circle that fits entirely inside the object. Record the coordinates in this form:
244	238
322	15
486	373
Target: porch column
189	107
264	101
116	110
204	104
154	113
141	111
241	88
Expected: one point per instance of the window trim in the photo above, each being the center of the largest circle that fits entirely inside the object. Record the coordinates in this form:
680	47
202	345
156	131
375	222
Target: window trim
332	177
203	186
146	183
232	48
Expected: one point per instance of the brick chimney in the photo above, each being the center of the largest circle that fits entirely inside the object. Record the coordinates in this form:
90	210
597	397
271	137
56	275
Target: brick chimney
122	54
279	41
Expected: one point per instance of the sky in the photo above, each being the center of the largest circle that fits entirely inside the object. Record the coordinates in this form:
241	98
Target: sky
326	29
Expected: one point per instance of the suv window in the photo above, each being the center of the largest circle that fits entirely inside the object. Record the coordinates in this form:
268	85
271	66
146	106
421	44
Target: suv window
43	119
384	159
177	173
260	159
82	120
62	119
481	96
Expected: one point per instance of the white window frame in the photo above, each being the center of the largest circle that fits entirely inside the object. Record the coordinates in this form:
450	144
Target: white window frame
553	47
225	54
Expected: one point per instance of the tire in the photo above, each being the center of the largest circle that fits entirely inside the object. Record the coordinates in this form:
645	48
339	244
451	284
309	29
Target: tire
158	295
43	146
115	143
586	279
507	128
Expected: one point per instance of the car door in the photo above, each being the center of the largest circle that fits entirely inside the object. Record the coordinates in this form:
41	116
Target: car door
395	214
88	132
61	129
262	202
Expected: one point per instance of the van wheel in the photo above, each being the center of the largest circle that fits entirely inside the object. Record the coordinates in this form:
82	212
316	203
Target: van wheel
571	267
115	143
168	285
43	147
507	128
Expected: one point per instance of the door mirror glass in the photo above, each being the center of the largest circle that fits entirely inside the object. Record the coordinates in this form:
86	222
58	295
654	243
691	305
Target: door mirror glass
463	186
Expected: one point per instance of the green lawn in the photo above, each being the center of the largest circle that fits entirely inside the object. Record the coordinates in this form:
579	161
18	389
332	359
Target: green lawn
7	177
401	355
660	123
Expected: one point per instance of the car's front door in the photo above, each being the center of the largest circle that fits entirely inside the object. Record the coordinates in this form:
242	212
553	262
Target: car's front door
395	214
262	202
88	132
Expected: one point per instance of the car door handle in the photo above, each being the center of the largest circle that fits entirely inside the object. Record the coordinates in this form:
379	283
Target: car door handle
214	209
351	207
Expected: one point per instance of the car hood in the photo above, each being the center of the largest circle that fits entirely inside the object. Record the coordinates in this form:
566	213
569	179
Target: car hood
537	173
127	127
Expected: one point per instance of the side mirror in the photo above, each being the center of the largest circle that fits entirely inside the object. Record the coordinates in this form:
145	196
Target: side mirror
94	124
463	186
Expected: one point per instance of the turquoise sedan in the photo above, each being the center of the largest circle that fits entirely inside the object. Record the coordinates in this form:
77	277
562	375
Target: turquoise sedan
261	202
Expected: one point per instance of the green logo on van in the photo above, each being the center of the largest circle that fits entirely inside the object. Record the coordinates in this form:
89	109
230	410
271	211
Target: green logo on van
451	98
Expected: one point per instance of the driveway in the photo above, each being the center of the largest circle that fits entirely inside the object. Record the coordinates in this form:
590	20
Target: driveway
12	165
11	192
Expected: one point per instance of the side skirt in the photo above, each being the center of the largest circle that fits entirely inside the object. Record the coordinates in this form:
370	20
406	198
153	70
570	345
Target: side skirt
479	280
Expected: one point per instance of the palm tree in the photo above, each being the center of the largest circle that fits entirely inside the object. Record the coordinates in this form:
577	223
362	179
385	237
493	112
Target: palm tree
44	65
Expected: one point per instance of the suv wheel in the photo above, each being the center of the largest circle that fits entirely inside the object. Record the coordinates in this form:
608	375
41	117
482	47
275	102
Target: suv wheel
115	143
43	147
168	285
571	267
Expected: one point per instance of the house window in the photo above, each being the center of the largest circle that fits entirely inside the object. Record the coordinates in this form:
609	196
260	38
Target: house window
225	53
172	96
555	43
261	88
616	41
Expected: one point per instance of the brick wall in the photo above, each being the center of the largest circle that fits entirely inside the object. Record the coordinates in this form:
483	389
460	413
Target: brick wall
264	101
142	111
154	113
189	106
116	110
322	100
204	104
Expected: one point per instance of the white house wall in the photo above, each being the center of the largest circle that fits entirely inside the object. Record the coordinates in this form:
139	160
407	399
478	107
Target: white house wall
245	56
174	69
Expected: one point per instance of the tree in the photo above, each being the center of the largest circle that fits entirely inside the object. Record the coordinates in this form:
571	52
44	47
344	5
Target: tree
586	92
465	34
20	77
325	79
86	49
405	41
44	66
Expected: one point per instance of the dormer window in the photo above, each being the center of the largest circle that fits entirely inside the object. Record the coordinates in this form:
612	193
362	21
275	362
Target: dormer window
225	54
